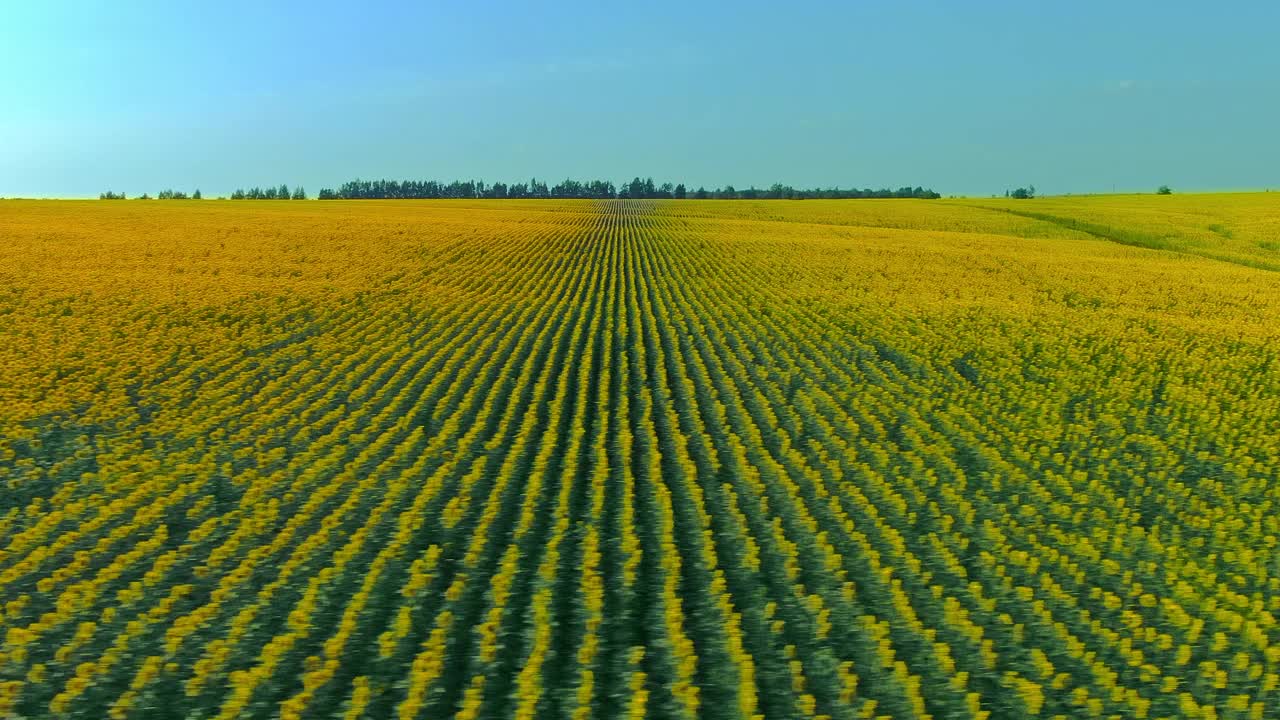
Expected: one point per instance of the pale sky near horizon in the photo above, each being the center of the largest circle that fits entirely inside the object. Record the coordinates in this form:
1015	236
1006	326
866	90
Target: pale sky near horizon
966	98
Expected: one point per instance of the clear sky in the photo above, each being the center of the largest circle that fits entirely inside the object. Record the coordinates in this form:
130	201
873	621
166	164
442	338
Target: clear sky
965	97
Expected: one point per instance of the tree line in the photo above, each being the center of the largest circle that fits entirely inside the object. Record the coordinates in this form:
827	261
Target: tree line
637	188
594	189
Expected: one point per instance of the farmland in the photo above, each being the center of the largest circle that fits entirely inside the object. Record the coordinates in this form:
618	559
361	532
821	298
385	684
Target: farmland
673	459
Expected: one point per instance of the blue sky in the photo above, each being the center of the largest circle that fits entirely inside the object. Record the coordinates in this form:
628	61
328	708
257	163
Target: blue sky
969	98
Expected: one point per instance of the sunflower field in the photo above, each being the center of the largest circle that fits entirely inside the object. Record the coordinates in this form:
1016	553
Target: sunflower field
640	459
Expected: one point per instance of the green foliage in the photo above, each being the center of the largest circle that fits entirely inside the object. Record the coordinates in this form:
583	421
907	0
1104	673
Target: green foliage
271	193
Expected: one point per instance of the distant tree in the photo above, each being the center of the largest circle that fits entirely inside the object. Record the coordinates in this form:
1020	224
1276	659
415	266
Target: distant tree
601	189
681	192
283	192
196	195
1164	190
1025	193
700	193
108	195
299	193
